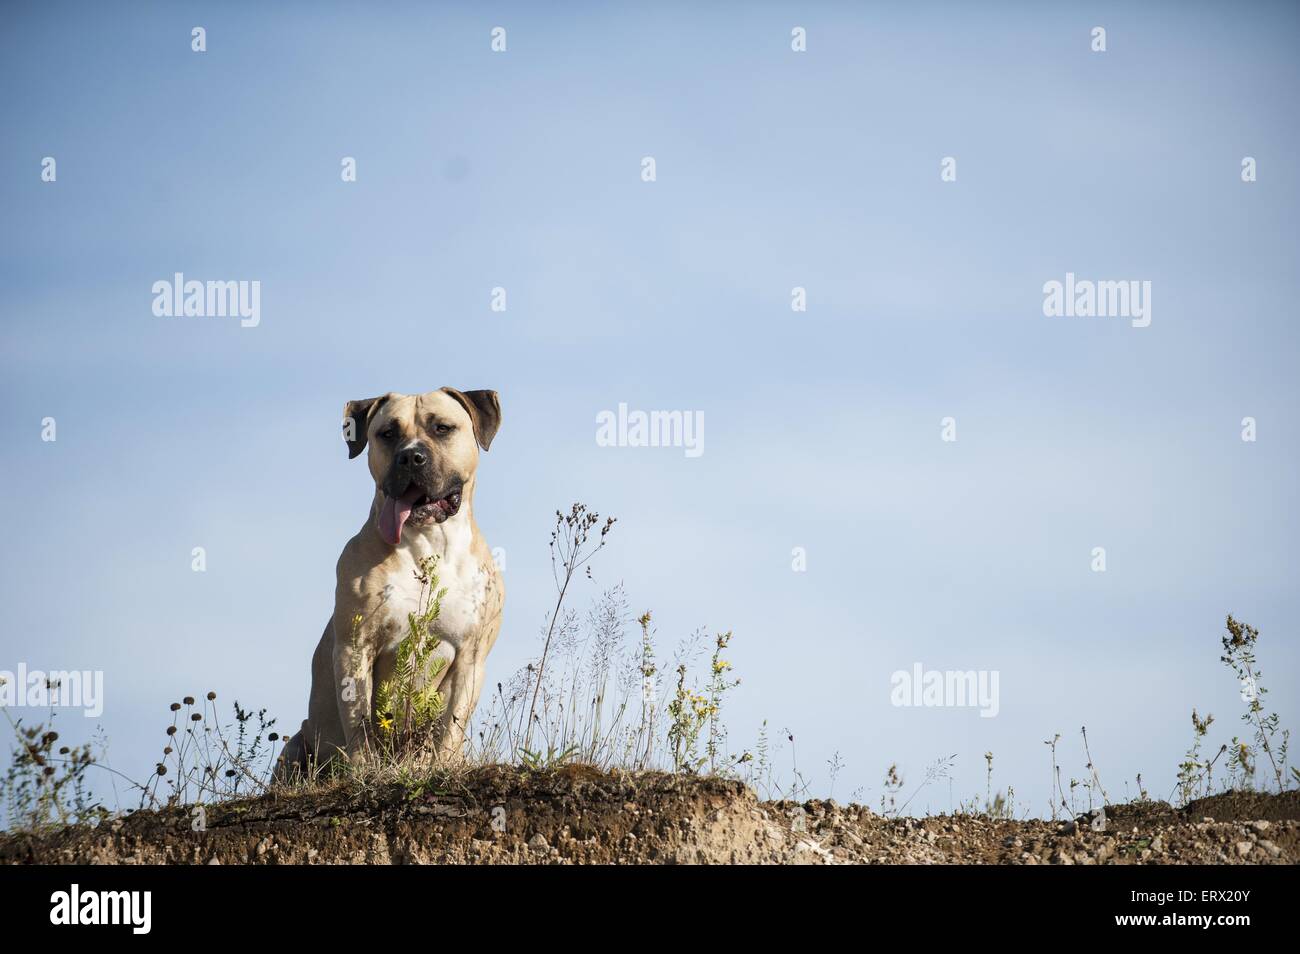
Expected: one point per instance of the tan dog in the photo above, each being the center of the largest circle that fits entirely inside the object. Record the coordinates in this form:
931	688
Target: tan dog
423	457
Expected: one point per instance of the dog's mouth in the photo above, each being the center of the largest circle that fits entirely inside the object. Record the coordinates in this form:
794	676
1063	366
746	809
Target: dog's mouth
415	505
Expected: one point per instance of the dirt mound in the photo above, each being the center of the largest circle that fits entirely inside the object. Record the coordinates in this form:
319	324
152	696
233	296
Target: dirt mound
578	815
1247	806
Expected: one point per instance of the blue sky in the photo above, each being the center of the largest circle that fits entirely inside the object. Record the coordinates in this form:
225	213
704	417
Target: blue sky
775	169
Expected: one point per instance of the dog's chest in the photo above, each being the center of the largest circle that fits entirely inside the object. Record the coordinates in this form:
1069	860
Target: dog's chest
462	608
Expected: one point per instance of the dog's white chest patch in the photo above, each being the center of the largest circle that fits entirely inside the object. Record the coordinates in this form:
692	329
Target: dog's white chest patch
463	605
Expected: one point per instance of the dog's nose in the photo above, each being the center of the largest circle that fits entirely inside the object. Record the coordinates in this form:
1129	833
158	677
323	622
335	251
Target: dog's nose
411	458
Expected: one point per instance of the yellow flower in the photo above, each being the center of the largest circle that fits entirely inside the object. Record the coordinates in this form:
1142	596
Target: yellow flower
386	723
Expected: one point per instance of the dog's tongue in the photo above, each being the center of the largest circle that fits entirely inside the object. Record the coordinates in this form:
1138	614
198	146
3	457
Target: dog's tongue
393	515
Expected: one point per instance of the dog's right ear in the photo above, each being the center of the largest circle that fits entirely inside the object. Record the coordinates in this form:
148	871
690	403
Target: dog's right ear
356	422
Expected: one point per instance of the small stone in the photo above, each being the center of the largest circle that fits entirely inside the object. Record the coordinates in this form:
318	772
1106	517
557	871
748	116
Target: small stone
1273	850
538	841
1260	826
1157	844
1244	848
811	853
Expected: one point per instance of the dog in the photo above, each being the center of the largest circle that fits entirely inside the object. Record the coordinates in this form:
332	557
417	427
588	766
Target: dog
424	453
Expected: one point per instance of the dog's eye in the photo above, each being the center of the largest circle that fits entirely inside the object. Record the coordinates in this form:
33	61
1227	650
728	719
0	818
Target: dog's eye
389	432
443	429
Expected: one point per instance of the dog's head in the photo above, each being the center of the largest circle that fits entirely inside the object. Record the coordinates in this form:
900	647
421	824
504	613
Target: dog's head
423	451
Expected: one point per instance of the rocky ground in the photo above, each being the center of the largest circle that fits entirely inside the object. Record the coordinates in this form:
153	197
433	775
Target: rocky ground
577	815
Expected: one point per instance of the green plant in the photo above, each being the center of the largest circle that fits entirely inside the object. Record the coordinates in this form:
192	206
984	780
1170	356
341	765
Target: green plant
939	768
996	805
690	713
1239	655
718	686
571	550
892	785
1094	782
760	768
834	766
204	762
546	761
1056	776
45	786
648	671
798	784
408	702
593	694
1194	775
687	712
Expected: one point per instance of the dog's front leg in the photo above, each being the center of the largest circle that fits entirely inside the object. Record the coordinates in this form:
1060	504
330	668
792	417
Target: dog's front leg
460	692
353	682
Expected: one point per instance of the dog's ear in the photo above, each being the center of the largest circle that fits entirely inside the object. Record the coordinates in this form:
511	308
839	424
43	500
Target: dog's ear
484	409
356	421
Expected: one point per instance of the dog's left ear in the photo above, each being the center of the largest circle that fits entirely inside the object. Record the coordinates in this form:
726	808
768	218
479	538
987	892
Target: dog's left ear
356	421
484	409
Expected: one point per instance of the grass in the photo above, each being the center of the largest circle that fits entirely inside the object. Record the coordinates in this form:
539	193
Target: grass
203	761
595	696
598	695
1267	740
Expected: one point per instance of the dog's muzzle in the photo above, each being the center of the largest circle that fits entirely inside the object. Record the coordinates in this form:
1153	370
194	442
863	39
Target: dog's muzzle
413	494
